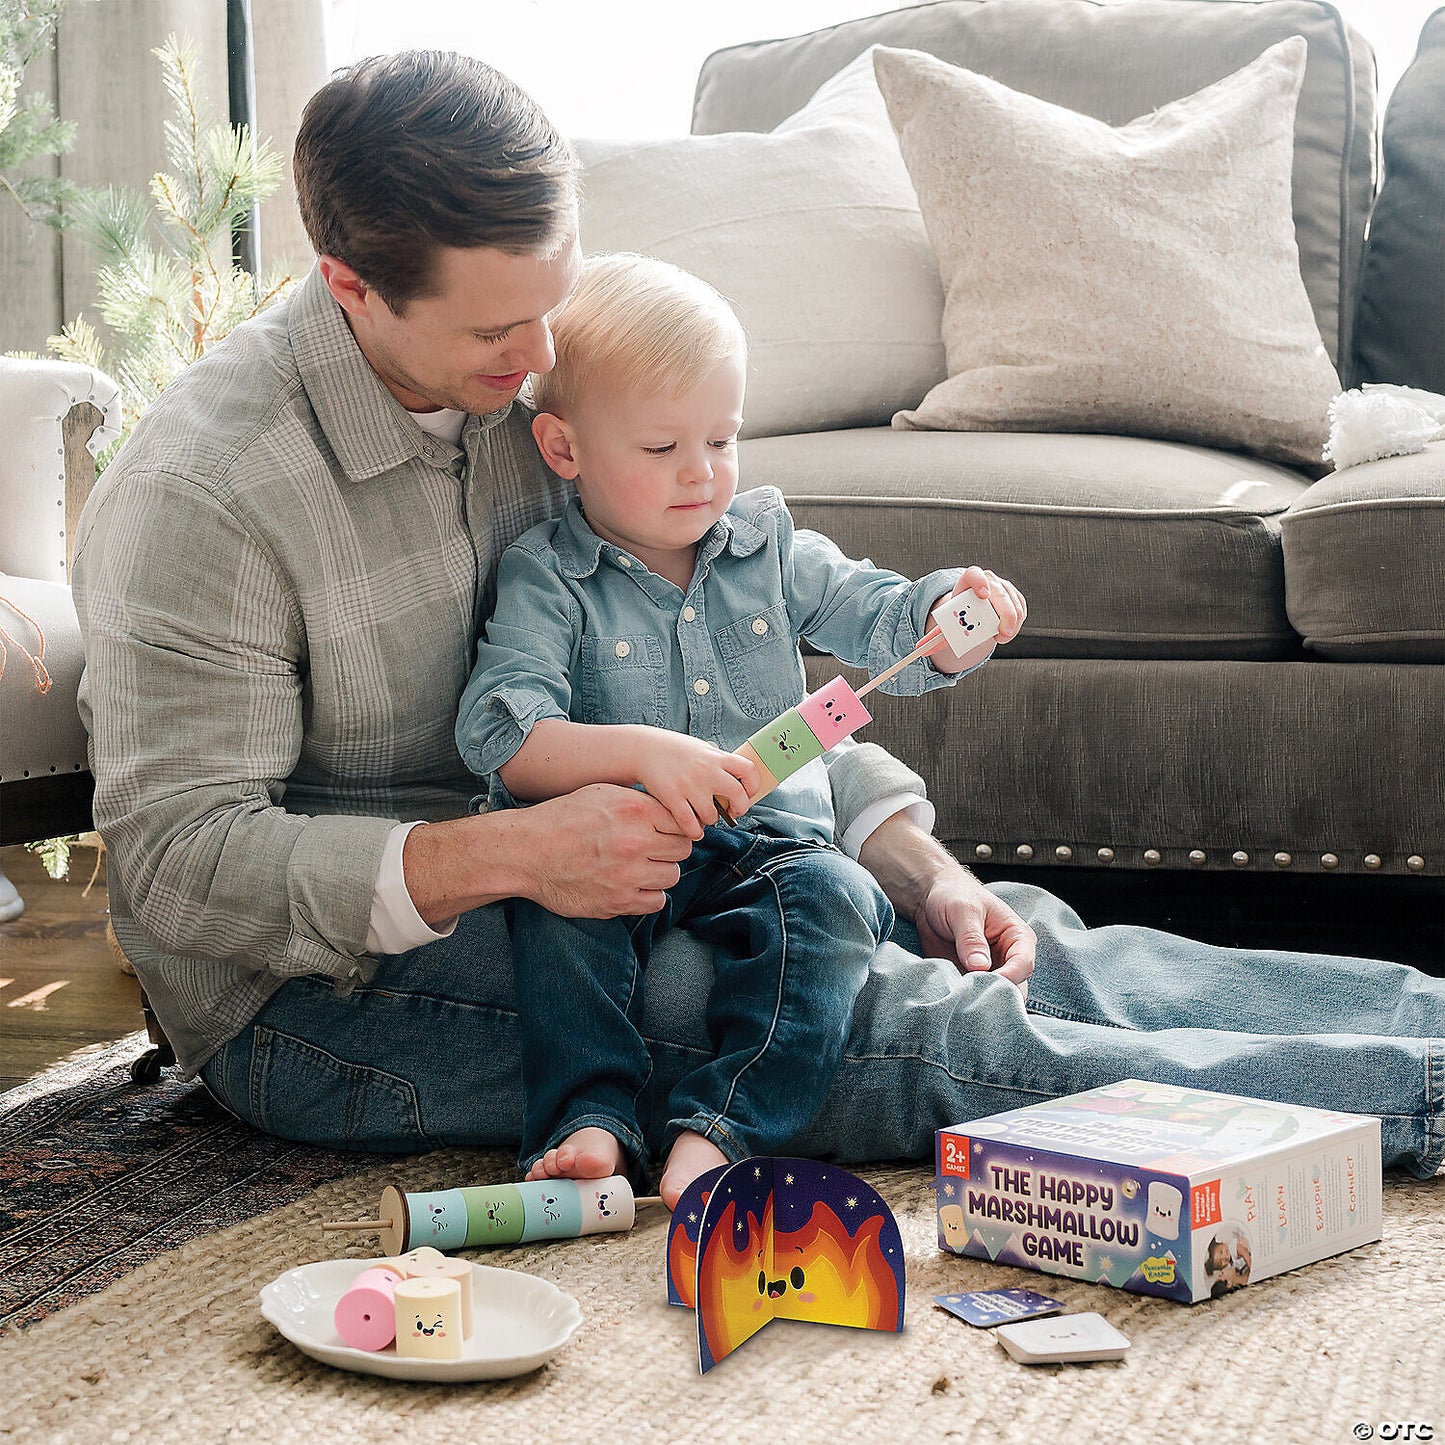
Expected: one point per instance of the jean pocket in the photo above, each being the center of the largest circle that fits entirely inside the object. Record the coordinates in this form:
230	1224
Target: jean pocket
760	656
300	1091
623	680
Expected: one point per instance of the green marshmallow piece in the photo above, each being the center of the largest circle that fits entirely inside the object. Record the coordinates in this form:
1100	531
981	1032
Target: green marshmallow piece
786	744
494	1215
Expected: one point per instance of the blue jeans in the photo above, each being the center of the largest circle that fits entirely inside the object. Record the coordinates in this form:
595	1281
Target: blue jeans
428	1053
793	926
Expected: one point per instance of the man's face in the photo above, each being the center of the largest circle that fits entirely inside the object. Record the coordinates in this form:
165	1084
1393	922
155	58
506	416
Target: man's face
471	343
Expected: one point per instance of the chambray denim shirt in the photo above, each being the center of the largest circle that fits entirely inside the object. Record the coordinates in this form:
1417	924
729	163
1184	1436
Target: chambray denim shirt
584	630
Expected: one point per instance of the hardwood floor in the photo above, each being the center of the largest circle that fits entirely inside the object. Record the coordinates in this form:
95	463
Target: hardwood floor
61	987
60	984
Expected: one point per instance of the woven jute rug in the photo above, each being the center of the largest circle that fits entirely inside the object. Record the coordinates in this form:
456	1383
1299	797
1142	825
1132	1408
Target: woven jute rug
177	1350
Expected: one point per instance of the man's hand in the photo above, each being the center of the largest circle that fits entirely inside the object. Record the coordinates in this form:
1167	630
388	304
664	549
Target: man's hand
602	852
686	775
960	920
956	916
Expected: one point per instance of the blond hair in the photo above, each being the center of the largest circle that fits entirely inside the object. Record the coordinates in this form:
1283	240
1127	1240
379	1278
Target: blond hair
641	321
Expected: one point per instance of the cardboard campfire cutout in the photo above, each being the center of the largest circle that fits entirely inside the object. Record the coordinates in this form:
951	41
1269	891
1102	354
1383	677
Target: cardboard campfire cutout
786	1239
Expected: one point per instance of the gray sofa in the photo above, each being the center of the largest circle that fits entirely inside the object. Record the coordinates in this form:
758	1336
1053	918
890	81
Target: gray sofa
1253	679
1272	701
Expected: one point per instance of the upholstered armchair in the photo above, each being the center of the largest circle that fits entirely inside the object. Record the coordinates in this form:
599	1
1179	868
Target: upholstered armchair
54	418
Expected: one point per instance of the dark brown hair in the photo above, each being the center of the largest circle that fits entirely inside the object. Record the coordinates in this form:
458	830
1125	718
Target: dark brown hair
400	154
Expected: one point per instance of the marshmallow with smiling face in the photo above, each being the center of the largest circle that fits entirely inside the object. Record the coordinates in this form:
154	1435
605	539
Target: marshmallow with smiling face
833	713
429	1319
966	620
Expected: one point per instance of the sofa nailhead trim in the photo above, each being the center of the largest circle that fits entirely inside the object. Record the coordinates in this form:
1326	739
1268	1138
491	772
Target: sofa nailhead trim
1106	855
1197	856
983	851
1024	853
1063	852
1415	863
1152	856
1240	859
1282	860
1329	860
1372	860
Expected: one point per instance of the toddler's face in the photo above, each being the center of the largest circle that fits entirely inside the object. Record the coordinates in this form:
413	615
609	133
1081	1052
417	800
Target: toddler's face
655	472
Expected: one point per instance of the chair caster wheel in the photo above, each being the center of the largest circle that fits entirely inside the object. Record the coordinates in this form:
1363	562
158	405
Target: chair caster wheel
146	1070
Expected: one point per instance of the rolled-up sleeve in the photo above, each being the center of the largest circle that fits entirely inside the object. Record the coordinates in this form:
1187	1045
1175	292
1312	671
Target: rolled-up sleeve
523	668
193	695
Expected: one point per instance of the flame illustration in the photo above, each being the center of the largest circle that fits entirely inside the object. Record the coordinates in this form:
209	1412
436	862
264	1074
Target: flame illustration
728	1273
682	1267
847	1278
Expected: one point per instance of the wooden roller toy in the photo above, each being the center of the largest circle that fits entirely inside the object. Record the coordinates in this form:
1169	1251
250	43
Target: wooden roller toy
497	1214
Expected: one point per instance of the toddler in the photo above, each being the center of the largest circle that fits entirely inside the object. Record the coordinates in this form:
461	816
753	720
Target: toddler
636	640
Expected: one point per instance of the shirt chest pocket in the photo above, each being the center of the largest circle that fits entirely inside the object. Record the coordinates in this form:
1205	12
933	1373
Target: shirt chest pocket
623	680
761	659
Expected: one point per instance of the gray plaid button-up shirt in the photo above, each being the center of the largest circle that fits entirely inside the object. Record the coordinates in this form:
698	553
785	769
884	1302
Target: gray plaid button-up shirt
280	580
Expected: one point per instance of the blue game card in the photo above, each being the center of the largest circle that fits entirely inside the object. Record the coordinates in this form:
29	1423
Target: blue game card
989	1307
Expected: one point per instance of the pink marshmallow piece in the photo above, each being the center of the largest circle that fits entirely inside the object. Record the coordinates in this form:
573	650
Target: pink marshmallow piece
365	1315
833	712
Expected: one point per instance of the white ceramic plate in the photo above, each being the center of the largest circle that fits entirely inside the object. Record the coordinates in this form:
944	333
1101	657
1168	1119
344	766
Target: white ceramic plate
519	1322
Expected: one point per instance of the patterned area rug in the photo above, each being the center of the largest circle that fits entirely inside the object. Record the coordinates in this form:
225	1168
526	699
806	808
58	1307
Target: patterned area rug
97	1176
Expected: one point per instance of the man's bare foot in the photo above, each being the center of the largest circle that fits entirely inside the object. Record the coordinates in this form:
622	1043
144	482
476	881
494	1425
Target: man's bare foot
590	1153
689	1156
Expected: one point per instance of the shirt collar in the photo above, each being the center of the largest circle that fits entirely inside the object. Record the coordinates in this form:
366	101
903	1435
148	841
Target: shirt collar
368	429
580	550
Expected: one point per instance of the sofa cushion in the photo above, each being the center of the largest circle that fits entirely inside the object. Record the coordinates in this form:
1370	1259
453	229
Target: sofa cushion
1401	323
814	235
40	731
1140	279
1364	559
1123	547
1114	62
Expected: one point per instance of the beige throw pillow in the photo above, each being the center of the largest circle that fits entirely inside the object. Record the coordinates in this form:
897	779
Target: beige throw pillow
1142	279
812	231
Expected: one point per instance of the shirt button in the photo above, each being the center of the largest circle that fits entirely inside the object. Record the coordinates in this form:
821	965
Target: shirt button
624	561
622	649
700	686
760	626
689	614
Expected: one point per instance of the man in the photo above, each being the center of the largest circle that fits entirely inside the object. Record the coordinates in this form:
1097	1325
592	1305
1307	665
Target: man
279	581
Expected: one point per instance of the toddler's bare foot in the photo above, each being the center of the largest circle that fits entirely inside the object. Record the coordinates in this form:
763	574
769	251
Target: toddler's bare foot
689	1156
590	1153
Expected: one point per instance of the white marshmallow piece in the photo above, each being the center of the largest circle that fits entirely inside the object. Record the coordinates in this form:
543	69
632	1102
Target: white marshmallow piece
429	1319
966	620
445	1267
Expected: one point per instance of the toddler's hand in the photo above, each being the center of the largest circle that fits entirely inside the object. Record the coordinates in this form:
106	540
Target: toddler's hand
1006	600
685	774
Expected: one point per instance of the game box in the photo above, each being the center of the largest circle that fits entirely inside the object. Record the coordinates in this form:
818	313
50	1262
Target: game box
1167	1191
